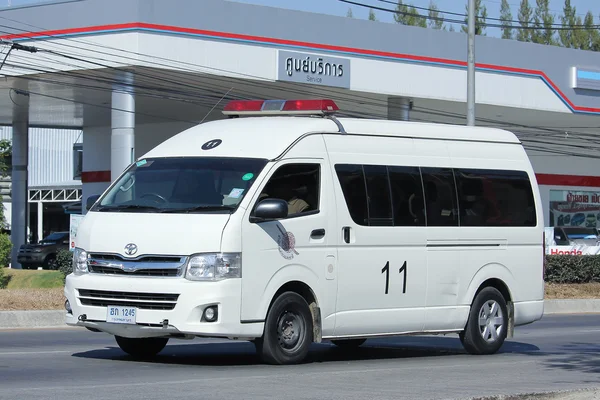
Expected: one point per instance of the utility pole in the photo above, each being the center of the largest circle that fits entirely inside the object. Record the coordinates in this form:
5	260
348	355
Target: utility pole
471	65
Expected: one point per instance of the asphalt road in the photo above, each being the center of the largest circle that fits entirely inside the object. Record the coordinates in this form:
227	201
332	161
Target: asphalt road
557	353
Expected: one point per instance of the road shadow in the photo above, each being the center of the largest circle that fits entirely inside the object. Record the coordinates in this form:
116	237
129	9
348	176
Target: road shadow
575	356
237	353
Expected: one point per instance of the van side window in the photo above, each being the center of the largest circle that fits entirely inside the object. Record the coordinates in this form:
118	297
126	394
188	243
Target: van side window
352	181
440	197
378	195
298	184
407	196
495	198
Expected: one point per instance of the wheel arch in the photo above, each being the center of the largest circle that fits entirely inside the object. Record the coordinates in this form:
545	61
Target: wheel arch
306	291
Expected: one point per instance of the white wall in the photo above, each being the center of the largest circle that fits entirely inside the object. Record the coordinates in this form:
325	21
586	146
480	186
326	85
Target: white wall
96	157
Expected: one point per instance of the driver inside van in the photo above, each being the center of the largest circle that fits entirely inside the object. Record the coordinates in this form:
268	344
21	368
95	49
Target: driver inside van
285	190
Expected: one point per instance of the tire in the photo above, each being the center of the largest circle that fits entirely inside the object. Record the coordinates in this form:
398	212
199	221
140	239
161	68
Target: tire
481	340
282	346
349	343
50	262
141	347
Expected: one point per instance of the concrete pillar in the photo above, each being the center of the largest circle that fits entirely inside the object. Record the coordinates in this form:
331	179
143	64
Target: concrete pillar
96	171
399	108
122	141
20	149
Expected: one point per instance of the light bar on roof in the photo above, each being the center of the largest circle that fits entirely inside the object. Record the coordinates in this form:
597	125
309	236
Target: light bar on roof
280	107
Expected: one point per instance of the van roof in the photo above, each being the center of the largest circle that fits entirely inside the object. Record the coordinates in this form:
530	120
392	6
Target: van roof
268	137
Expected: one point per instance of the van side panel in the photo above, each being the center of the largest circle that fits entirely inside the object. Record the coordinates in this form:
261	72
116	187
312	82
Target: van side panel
449	263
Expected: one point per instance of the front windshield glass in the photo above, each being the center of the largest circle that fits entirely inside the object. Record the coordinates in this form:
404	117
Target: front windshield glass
183	184
54	237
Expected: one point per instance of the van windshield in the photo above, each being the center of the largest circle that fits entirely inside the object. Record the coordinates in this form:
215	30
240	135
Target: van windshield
182	184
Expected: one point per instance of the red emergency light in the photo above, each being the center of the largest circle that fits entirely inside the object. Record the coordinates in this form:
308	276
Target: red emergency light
280	107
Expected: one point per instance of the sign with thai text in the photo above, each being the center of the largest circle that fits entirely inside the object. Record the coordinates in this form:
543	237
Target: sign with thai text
313	69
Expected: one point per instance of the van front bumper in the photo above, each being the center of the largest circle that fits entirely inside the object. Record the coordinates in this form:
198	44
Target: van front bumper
164	307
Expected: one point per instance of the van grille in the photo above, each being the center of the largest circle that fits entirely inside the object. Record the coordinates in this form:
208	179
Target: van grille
146	301
147	265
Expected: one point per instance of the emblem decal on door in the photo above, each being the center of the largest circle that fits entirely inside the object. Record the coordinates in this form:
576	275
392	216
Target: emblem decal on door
287	244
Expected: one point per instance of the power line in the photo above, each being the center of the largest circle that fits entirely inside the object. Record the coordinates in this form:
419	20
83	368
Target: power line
465	16
374	102
479	23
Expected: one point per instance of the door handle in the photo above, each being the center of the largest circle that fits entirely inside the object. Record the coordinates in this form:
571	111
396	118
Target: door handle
317	234
346	232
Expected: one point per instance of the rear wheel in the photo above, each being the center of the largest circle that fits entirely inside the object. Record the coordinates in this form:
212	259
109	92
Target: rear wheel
487	326
349	343
141	347
288	331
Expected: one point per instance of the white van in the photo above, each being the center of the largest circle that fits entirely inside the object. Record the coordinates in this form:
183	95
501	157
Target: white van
292	226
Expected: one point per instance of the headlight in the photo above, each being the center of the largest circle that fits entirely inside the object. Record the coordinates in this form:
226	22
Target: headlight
80	266
214	266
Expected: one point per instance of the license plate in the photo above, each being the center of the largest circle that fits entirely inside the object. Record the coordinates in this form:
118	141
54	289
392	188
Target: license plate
121	315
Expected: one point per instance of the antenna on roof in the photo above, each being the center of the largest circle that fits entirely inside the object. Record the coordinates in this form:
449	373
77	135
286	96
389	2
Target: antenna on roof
213	107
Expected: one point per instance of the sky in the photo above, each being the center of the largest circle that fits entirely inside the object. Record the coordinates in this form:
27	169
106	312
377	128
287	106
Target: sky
337	7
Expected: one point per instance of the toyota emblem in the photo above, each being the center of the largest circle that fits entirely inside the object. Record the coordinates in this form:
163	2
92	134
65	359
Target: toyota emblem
131	249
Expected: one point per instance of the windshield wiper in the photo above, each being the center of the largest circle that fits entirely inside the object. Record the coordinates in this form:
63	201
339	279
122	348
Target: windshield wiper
197	208
129	207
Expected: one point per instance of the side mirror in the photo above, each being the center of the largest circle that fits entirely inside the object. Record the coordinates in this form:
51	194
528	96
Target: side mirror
90	201
269	210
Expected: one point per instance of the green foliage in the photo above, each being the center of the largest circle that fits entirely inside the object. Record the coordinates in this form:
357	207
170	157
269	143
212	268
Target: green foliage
572	269
409	15
372	15
5	166
64	260
3	278
506	20
480	18
5	249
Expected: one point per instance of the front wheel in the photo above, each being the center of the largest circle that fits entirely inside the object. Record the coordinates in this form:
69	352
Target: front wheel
141	347
288	331
487	326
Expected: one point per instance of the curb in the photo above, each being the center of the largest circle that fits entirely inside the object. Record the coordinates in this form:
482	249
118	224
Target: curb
32	319
577	394
56	318
572	306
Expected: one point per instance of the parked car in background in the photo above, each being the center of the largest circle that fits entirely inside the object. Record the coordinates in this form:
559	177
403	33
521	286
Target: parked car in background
43	254
572	235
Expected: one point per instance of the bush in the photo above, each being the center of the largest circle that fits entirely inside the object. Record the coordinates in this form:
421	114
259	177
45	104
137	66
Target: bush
5	249
572	269
64	261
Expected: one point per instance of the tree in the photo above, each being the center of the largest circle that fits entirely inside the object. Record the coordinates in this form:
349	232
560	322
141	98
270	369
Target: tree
480	18
408	15
568	20
524	17
5	166
505	20
372	15
542	22
590	36
435	17
349	13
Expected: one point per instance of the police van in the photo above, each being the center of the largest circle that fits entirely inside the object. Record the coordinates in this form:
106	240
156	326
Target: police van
285	225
